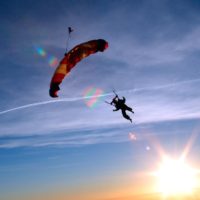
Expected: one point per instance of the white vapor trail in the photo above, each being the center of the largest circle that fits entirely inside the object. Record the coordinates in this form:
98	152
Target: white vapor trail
52	101
102	95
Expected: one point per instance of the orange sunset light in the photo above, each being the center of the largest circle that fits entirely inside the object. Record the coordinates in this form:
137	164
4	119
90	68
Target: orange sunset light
176	177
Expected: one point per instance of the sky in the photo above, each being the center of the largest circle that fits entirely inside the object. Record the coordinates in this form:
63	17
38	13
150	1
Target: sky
64	149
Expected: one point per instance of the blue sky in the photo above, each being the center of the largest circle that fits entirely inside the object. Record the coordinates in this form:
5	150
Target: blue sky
152	59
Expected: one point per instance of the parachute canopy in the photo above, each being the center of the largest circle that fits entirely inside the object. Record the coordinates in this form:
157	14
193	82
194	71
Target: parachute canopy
71	58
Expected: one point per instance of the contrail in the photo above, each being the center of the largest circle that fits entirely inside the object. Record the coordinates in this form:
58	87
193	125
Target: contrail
102	95
170	85
52	101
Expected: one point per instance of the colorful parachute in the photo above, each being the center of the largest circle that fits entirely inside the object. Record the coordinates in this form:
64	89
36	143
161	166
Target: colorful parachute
71	58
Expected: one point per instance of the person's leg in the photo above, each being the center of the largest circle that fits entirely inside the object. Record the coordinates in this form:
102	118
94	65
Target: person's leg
129	109
126	116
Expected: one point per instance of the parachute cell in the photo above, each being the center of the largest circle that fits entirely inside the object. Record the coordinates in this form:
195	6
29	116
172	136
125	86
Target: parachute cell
70	60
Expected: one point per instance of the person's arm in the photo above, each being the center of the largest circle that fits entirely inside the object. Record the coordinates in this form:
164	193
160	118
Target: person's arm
116	109
116	97
112	102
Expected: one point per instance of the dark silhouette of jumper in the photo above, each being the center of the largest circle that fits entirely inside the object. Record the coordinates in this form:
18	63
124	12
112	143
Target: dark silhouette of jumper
120	105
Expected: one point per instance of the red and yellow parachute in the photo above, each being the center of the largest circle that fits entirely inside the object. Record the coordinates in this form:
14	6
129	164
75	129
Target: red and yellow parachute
71	58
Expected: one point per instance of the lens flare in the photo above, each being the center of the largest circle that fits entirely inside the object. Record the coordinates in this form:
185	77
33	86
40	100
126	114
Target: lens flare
41	51
148	148
52	60
92	96
132	136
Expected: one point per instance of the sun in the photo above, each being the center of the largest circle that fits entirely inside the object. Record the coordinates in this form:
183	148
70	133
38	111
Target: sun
175	177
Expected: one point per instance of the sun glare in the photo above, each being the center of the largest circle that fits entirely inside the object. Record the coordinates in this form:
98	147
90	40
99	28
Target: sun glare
175	178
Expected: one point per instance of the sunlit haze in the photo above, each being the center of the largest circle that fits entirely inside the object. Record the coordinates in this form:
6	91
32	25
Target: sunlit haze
175	177
80	146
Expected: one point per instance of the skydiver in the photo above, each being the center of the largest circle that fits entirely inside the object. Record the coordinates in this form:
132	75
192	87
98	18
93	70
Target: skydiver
120	104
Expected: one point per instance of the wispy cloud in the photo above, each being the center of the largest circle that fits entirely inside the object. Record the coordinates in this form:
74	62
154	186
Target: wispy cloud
55	127
150	55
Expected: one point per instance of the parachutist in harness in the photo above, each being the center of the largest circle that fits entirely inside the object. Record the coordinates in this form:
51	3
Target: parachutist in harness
120	105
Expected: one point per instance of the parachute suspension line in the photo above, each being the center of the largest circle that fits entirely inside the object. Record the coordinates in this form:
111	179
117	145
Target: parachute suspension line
114	91
68	38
